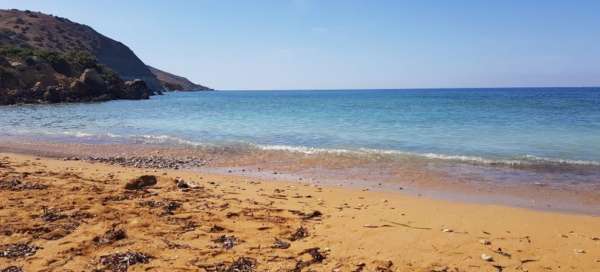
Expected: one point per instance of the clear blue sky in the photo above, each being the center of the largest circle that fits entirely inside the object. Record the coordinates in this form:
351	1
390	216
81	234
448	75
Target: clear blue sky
304	44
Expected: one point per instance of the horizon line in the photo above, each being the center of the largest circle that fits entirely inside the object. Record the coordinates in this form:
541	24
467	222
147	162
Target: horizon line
407	89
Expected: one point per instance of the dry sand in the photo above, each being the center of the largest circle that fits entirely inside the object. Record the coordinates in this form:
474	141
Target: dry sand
74	216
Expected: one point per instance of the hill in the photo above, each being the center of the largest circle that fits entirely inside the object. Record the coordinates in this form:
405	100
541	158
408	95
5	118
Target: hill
176	83
56	34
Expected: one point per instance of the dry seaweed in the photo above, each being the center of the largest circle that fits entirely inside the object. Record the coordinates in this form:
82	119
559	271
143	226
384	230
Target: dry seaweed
19	250
110	236
120	262
280	244
300	233
228	242
12	269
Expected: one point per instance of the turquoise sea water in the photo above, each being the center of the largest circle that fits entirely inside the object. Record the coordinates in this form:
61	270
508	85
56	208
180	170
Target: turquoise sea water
511	126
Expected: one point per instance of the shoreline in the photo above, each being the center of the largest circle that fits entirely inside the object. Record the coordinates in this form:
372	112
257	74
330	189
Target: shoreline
415	177
383	231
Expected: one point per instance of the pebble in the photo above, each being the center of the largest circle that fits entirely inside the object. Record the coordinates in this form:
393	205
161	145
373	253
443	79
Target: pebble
486	257
146	162
447	230
579	251
485	242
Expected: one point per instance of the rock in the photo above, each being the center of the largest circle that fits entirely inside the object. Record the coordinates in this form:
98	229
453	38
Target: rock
486	257
52	94
136	89
93	82
485	242
579	251
141	182
447	230
92	78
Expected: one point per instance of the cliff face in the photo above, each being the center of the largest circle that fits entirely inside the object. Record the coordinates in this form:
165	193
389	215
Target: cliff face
56	34
176	83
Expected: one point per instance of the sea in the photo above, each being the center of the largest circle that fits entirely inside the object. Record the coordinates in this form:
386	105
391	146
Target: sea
524	135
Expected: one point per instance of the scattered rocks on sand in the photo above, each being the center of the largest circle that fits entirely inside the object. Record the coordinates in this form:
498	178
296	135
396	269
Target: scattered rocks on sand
17	185
120	262
158	162
141	182
13	251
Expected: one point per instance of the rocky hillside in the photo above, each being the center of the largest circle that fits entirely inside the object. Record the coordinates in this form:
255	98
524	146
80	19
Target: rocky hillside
176	83
56	34
30	75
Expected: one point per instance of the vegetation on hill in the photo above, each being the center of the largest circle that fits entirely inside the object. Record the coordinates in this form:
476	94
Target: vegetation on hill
30	75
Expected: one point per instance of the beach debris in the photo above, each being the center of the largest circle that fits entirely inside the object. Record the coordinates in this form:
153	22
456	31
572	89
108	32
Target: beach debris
485	242
120	262
17	250
300	233
360	267
141	182
442	268
228	242
110	236
503	253
51	215
522	262
242	264
579	251
385	266
377	226
316	257
487	258
216	228
315	253
498	267
406	225
280	244
12	269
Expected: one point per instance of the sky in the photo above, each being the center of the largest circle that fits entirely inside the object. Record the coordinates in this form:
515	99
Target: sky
352	44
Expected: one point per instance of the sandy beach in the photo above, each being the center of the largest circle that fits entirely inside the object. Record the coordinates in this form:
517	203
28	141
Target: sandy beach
58	215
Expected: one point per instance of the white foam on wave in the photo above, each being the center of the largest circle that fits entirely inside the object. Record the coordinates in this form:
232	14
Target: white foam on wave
524	160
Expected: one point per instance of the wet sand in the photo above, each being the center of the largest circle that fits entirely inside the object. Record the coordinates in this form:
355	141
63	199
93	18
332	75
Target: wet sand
554	189
58	215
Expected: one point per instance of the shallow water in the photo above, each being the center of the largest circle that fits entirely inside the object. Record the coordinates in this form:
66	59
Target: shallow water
523	135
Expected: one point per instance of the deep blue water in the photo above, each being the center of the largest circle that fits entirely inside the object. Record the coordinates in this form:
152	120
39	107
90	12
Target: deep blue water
525	124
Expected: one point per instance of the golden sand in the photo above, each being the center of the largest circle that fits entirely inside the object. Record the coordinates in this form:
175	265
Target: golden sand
230	222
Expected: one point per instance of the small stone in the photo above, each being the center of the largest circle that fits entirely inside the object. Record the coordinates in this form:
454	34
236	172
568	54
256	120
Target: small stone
487	258
579	251
141	182
485	242
447	230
